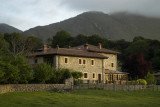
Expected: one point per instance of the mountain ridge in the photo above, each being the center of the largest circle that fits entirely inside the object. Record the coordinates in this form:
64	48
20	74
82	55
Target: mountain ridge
5	28
115	26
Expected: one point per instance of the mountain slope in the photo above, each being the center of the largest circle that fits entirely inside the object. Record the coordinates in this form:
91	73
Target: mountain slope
114	26
4	28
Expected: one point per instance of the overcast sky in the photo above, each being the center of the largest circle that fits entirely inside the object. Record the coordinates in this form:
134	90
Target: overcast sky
25	14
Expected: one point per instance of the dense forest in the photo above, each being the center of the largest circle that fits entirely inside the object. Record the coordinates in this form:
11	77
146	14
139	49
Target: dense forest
148	48
137	57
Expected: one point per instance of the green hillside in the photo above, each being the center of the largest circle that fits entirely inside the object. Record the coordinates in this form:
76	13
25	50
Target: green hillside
115	26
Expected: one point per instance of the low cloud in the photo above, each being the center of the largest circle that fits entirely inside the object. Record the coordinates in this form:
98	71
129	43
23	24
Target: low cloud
25	14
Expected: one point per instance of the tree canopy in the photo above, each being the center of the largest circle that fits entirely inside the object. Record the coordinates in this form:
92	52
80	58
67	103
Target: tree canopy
136	66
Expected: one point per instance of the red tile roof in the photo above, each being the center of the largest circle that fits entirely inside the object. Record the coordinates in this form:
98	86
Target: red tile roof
92	48
68	52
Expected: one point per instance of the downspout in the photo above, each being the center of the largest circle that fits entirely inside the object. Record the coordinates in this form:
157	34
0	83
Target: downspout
58	61
57	56
103	70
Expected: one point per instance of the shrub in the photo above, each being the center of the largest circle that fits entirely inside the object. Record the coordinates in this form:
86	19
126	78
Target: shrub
60	75
25	71
76	81
76	74
141	82
158	81
14	71
132	82
42	73
150	78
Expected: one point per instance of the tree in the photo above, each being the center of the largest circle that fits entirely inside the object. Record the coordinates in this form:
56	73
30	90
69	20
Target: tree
137	47
18	45
3	43
95	39
9	73
136	66
35	42
60	75
25	71
14	71
62	38
135	39
150	78
42	72
79	40
77	75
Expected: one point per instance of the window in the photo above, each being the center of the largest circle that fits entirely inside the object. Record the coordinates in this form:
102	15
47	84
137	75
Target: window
80	61
117	77
66	60
84	61
85	75
93	75
92	62
36	61
112	64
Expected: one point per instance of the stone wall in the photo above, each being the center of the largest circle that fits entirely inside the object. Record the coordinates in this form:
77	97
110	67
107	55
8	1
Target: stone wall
36	87
30	60
112	58
73	63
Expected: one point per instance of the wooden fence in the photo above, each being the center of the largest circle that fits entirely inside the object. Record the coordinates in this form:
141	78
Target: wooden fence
116	87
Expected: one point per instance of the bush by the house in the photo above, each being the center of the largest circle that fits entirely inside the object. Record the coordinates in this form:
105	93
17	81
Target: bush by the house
43	72
141	82
76	74
150	78
158	81
60	75
14	71
77	81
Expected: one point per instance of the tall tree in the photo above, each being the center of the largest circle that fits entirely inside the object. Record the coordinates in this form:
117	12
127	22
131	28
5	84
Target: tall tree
3	43
79	40
18	45
136	65
35	42
140	46
62	38
95	39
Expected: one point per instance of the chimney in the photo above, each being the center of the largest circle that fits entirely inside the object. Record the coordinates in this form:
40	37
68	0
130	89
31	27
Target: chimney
99	45
57	46
86	46
49	47
45	48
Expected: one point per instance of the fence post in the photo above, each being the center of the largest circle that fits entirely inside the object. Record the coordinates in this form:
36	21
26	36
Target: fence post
96	84
71	86
88	84
79	83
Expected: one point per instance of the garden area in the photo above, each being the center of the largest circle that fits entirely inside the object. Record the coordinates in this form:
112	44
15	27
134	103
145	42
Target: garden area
79	98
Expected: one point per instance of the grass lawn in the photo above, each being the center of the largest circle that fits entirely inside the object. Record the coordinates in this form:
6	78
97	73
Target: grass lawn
82	98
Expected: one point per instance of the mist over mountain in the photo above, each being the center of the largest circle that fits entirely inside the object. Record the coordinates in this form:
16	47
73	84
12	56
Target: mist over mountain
114	26
4	28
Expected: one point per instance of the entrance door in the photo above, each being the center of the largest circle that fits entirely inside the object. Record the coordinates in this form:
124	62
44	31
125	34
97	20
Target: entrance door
99	78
